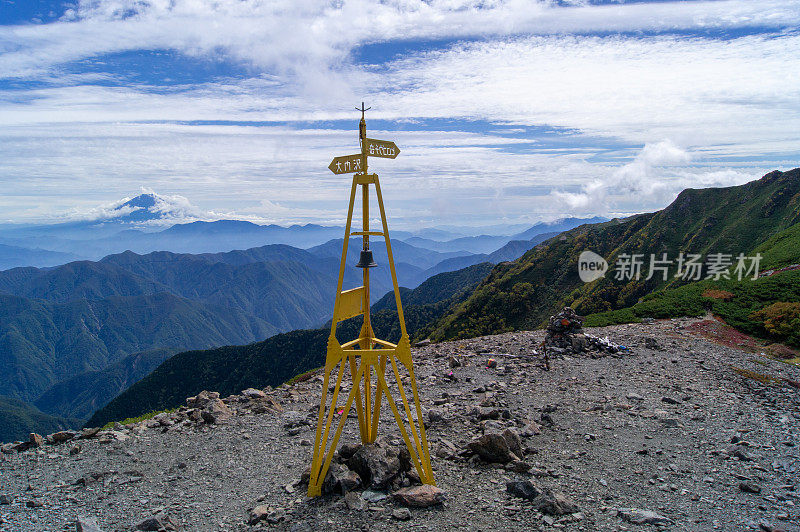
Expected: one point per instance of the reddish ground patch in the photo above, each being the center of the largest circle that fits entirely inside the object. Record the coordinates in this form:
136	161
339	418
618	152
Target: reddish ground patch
779	270
721	333
782	351
718	294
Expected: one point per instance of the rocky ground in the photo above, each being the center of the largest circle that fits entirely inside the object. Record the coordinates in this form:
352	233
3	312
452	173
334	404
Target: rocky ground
677	433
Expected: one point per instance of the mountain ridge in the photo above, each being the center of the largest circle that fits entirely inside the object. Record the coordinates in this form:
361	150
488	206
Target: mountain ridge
717	220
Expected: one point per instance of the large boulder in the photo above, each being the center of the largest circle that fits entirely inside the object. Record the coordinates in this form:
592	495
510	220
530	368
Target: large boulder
340	479
216	412
419	496
498	448
201	399
554	503
379	463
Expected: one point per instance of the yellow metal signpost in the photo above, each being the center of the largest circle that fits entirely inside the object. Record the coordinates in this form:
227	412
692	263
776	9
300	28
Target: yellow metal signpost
367	354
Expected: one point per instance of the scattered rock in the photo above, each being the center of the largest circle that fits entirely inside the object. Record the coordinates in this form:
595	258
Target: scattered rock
293	418
216	412
258	514
62	436
378	463
87	524
423	343
373	496
518	466
89	433
492	448
34	503
555	503
642	517
201	399
6	499
158	523
514	442
420	496
652	343
76	449
354	501
524	489
401	514
347	450
749	487
252	393
340	479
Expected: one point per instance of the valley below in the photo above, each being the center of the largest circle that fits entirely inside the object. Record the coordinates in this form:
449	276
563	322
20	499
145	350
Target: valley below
678	432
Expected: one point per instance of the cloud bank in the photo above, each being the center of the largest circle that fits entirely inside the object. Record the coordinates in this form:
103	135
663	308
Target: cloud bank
512	110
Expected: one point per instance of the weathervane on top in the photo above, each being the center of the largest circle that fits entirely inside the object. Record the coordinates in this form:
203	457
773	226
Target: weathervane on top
367	353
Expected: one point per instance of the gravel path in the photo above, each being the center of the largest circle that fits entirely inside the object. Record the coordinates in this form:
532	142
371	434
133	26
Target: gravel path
669	430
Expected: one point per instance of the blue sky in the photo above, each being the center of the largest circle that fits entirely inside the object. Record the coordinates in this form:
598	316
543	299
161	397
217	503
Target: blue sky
505	111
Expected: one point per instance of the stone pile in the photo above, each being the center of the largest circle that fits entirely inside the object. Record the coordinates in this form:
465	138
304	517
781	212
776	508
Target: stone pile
365	473
564	335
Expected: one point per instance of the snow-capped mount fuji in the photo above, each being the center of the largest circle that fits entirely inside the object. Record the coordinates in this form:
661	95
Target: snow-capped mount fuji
151	210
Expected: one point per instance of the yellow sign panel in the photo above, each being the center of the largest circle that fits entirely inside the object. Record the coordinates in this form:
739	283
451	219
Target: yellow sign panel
350	304
382	148
346	164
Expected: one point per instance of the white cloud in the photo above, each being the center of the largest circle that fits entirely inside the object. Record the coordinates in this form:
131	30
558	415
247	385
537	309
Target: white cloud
653	179
82	137
308	38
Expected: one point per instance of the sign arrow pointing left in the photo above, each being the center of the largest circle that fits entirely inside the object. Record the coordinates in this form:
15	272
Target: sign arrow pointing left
346	164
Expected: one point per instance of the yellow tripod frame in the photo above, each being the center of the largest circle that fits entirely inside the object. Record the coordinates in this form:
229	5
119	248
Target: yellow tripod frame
363	355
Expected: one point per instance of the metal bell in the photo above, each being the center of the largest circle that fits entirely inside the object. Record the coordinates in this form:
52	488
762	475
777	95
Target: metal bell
366	260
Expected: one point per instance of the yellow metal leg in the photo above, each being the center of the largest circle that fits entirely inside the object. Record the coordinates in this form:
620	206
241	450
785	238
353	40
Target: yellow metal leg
376	412
322	449
362	426
351	303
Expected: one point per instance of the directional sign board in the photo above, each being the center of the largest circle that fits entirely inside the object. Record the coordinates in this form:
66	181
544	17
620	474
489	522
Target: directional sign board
346	164
382	148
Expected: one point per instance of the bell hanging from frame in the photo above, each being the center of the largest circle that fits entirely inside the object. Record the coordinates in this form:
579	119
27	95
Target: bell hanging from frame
366	260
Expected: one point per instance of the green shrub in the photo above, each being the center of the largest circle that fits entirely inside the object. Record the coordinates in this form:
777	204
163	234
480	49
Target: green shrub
137	419
611	317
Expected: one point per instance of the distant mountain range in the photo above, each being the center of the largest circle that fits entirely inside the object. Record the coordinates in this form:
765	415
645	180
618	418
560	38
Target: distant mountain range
16	256
150	222
275	360
486	244
75	335
762	216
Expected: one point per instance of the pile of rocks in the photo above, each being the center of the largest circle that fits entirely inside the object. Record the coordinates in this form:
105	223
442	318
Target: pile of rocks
565	336
364	474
